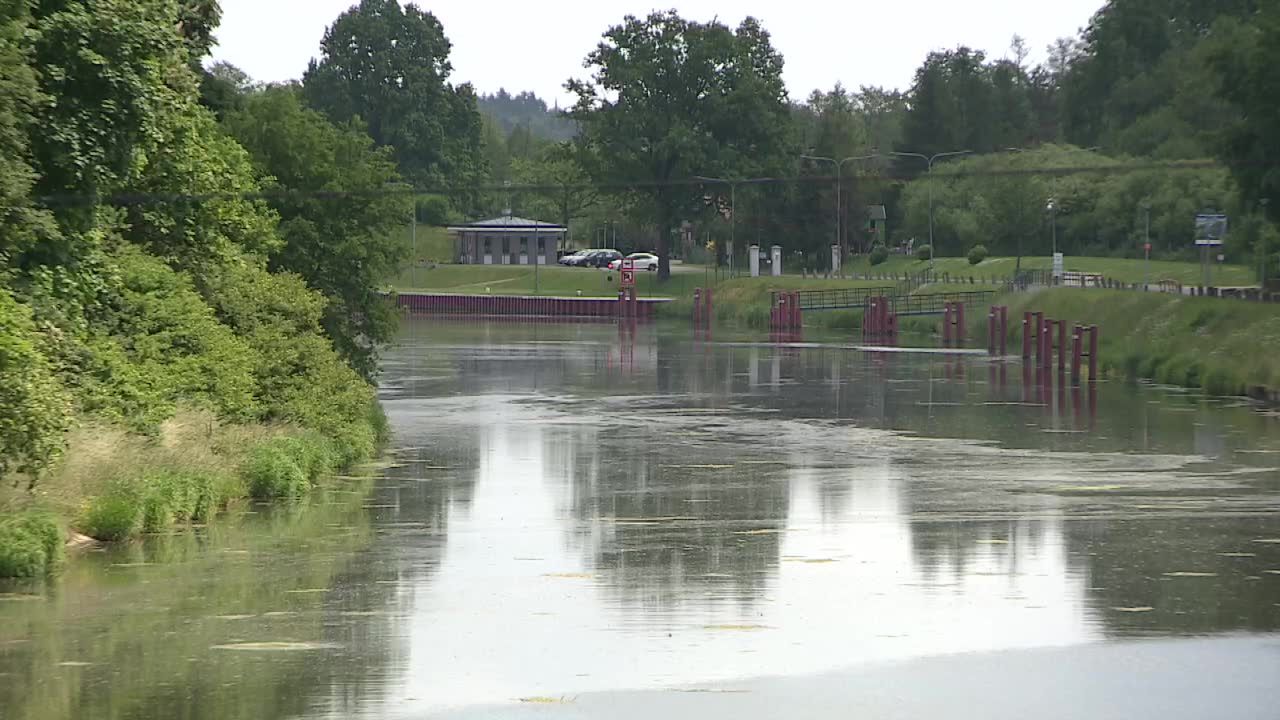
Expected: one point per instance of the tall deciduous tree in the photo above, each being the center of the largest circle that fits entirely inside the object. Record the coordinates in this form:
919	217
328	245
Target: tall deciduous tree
563	189
389	65
669	98
336	217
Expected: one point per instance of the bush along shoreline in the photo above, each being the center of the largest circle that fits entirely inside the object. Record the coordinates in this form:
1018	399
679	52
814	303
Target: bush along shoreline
201	343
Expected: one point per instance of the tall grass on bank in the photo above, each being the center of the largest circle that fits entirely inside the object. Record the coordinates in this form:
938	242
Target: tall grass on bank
114	485
1225	347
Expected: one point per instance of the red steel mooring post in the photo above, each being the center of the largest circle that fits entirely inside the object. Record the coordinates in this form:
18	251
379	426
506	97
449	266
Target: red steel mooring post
1062	346
1026	335
1093	353
1077	348
795	308
992	318
1045	356
1004	330
946	324
961	331
709	313
697	306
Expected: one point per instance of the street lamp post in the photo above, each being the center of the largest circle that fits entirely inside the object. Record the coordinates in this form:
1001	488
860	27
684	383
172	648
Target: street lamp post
733	207
930	161
839	166
1052	207
1146	245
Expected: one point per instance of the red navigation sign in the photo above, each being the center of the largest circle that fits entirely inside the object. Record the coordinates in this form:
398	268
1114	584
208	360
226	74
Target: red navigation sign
628	273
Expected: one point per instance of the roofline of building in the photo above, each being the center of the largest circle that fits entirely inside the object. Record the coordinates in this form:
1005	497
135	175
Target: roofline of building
507	228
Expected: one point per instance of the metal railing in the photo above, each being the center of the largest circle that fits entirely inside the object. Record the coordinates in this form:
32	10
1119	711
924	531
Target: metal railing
900	303
838	298
935	303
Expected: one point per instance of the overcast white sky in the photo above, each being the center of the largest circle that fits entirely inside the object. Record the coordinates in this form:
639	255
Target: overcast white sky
538	45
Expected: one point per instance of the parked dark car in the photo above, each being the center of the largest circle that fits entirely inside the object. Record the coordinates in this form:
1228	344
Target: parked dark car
573	258
599	258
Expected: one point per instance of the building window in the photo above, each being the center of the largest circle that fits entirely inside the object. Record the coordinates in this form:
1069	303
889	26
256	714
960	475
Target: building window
542	246
488	248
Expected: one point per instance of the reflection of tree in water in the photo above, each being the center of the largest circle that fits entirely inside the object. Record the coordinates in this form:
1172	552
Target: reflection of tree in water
952	548
1127	561
662	529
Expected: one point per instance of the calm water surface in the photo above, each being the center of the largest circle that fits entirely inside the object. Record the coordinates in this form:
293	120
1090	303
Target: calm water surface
574	511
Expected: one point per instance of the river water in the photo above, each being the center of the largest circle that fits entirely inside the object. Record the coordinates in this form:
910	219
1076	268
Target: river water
586	521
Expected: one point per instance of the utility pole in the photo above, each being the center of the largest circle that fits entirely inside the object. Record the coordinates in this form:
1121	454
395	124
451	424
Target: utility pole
1146	245
930	161
839	166
733	206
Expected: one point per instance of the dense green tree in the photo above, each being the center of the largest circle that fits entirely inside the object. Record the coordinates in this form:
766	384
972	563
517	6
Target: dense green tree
670	98
1139	83
389	65
510	111
1251	144
197	20
336	218
560	188
22	226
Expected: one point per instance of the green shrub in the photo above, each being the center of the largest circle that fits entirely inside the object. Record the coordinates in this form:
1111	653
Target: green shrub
924	252
879	254
21	554
216	491
115	515
977	254
273	472
314	454
30	545
34	409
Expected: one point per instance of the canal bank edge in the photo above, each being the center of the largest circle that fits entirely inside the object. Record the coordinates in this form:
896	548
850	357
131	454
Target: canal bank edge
113	485
1223	347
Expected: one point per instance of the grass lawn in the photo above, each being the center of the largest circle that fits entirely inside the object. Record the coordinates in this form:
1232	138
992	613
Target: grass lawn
556	280
549	280
1124	270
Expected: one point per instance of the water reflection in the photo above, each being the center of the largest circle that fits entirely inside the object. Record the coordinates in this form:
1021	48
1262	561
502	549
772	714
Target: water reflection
572	508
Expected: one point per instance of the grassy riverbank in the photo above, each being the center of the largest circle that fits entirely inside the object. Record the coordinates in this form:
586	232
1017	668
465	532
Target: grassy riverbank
1121	269
1225	347
113	485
